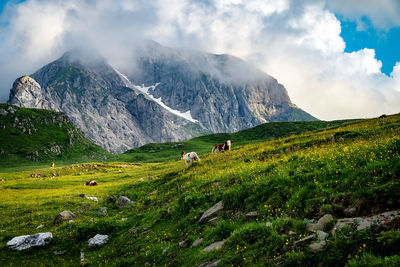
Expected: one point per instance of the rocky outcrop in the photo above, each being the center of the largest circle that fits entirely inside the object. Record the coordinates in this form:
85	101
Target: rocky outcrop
26	92
380	221
28	241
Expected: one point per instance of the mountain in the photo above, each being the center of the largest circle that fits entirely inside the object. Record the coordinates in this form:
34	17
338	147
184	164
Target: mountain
97	99
222	92
35	135
167	95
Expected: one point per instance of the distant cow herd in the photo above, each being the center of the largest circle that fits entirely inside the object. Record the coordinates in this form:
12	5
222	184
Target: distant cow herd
218	148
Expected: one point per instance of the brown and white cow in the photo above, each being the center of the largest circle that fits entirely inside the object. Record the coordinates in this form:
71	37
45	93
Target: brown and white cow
222	147
91	183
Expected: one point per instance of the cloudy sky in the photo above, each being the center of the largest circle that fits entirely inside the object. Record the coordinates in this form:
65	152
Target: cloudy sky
337	58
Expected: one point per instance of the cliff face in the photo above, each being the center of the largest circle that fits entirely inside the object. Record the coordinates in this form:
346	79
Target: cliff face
170	95
223	93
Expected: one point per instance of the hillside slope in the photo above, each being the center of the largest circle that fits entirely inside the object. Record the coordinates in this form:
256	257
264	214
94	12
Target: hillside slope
271	193
34	136
159	152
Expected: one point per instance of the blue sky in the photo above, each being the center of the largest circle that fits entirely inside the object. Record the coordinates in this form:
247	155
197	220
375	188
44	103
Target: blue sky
385	42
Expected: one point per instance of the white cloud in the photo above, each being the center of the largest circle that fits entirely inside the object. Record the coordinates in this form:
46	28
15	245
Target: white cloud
383	14
299	43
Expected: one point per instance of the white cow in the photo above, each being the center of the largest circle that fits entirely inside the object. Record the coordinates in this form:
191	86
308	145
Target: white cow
189	157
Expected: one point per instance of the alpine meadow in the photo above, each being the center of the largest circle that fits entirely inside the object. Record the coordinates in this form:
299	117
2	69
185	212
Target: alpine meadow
204	133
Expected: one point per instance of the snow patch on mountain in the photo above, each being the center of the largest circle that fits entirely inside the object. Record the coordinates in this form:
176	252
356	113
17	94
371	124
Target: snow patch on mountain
145	89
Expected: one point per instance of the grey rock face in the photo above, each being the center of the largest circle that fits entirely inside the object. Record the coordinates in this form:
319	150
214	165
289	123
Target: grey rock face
211	211
26	92
98	240
222	92
28	241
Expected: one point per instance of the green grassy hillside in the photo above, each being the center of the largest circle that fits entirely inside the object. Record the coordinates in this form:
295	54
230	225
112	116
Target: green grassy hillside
32	137
160	152
289	180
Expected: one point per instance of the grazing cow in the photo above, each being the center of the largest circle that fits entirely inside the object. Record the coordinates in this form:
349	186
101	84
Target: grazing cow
91	183
189	157
222	147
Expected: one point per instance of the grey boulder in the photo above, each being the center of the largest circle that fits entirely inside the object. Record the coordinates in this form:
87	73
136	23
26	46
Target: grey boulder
211	211
66	215
123	202
28	241
98	240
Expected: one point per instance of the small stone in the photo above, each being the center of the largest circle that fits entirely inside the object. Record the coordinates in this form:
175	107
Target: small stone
110	199
40	226
141	180
252	214
317	246
66	215
212	263
132	231
197	242
183	244
123	202
211	211
216	245
82	256
93	199
102	211
165	250
98	240
322	235
268	224
60	252
28	241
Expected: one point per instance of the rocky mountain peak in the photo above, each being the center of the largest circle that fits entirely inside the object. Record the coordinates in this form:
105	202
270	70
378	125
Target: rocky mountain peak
26	92
168	95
